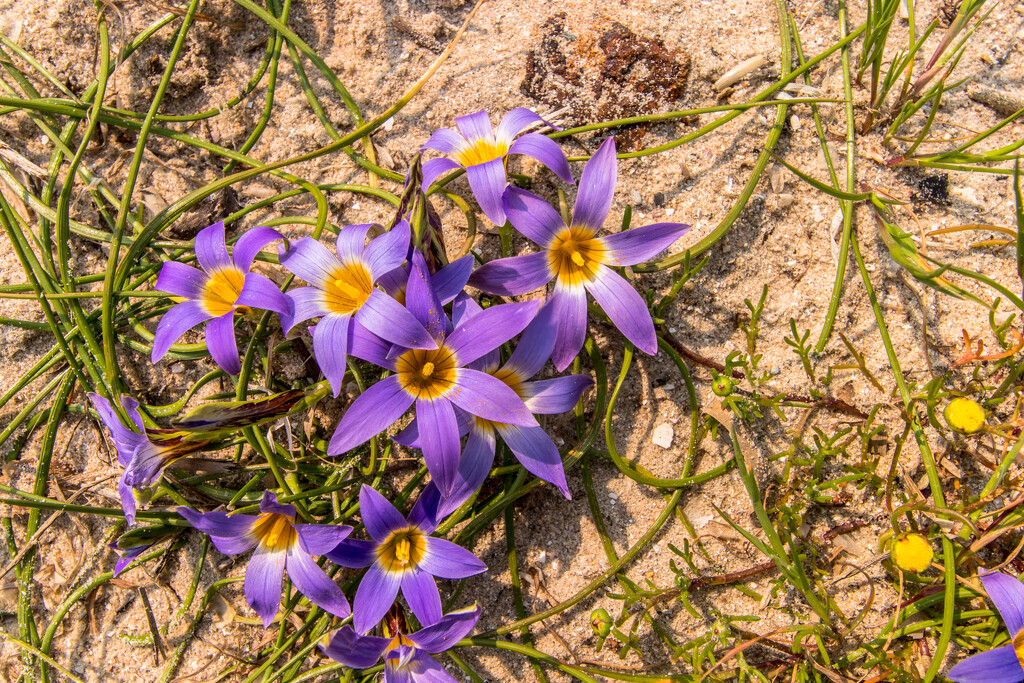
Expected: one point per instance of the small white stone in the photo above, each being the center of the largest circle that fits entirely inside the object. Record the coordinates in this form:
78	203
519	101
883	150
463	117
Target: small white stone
389	124
177	368
613	496
663	435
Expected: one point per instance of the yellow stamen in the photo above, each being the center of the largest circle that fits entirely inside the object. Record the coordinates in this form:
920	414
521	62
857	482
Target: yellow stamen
348	288
575	254
427	374
482	151
274	531
403	549
222	290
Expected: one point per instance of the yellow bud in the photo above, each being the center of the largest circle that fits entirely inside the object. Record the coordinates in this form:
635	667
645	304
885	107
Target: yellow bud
912	553
964	415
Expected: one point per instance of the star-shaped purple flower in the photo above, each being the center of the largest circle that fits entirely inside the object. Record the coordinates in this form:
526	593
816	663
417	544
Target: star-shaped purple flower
578	259
344	293
436	380
402	556
481	150
222	288
406	655
1003	664
280	543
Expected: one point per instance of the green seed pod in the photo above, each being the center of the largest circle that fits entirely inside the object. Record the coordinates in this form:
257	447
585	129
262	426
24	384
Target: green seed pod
601	622
722	385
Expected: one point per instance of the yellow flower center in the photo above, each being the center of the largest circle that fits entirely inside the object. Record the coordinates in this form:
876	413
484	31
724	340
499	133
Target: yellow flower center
348	288
481	151
512	379
274	531
222	290
575	254
427	373
402	549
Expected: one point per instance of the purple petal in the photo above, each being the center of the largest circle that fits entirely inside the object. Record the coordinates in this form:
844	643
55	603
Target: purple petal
464	308
176	322
372	412
489	329
126	557
210	248
330	348
320	539
535	346
532	216
311	581
355	651
537	453
629	247
421	299
477	458
546	151
485	396
380	517
514	275
597	187
391	321
388	251
181	280
994	666
230	533
268	503
259	292
307	302
1007	593
515	122
131	407
311	261
446	141
627	309
125	440
250	244
424	513
351	242
263	582
451	279
416	667
435	168
446	560
220	342
488	181
450	629
376	593
420	592
554	396
439	440
353	553
369	347
475	126
145	465
569	308
127	495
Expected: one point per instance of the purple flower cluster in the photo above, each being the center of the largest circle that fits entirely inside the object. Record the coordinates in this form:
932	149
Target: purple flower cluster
377	300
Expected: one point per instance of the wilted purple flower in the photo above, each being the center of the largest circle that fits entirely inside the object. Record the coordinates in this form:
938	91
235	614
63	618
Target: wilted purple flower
481	150
406	655
143	454
223	287
402	555
280	543
531	445
578	259
344	292
126	555
1002	664
436	380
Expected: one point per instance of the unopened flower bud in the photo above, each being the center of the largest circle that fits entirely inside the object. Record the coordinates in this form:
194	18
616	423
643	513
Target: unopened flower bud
601	622
912	553
964	415
722	385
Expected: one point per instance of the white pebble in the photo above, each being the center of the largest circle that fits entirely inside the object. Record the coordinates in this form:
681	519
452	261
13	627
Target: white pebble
177	368
663	435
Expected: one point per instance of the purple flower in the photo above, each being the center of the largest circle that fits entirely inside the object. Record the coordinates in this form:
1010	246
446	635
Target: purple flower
436	380
280	543
145	453
125	556
406	655
223	287
579	260
1002	664
344	291
481	150
402	556
531	445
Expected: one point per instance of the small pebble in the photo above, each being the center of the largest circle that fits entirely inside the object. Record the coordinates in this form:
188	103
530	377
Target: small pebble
659	199
776	370
613	496
177	368
663	435
635	198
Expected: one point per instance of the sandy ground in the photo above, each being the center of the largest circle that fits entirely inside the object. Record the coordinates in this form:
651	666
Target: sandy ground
568	56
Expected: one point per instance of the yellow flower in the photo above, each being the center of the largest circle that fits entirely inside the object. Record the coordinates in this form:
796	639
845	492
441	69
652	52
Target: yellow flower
912	553
964	415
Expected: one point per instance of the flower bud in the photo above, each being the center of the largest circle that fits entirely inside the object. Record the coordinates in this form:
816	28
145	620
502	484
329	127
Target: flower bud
722	385
964	415
601	622
911	553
